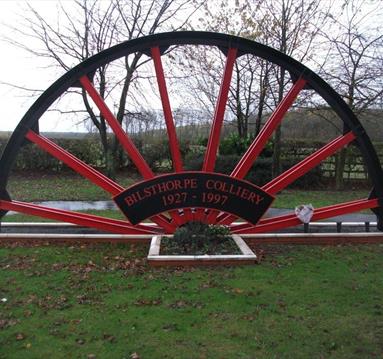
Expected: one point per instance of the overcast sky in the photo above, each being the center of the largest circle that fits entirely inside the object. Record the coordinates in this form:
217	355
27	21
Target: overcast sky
26	70
19	67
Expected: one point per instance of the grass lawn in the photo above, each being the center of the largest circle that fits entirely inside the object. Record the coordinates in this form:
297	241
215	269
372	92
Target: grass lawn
300	302
66	187
293	198
26	218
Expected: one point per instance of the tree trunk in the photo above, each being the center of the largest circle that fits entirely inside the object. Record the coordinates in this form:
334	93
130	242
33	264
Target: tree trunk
110	164
276	168
340	164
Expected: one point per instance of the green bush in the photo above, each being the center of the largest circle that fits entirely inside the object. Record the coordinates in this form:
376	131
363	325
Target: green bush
157	153
31	157
235	145
261	172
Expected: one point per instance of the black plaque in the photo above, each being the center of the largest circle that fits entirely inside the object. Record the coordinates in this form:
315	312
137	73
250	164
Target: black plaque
196	190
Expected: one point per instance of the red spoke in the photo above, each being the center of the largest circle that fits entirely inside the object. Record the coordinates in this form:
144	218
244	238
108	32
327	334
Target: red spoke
212	216
272	219
301	168
225	220
298	170
164	223
291	220
76	164
173	142
81	219
125	141
85	170
213	142
176	217
272	123
172	134
260	141
188	216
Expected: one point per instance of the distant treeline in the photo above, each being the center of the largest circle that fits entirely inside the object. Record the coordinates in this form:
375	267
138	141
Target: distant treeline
156	153
304	131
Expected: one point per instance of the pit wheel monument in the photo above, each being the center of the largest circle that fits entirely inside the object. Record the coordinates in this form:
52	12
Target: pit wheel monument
171	200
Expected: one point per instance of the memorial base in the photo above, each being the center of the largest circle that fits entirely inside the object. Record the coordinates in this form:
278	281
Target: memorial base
247	256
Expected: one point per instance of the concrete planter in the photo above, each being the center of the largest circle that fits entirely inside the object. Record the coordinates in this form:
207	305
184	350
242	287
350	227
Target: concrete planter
156	259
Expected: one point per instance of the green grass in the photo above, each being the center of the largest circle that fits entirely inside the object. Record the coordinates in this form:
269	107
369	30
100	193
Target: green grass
300	302
26	218
67	187
293	198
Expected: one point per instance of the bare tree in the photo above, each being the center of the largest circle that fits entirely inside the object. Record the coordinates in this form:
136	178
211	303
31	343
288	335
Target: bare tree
291	27
86	27
258	86
249	86
355	65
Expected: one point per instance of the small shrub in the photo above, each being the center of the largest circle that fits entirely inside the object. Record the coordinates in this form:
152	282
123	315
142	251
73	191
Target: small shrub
200	238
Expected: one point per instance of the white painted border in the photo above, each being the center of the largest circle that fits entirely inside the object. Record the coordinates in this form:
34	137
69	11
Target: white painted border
150	236
65	224
247	253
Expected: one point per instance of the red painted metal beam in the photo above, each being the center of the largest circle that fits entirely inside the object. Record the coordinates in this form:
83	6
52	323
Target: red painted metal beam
81	219
163	222
301	168
125	141
85	170
225	219
291	220
76	164
273	220
298	170
211	217
171	129
173	141
269	127
215	132
213	142
259	143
